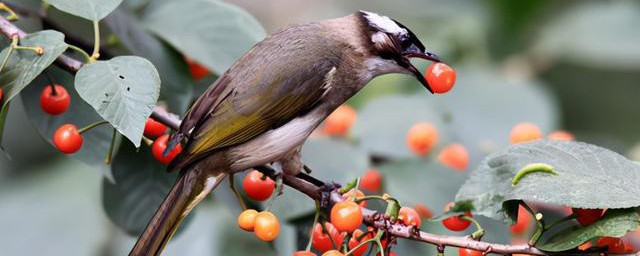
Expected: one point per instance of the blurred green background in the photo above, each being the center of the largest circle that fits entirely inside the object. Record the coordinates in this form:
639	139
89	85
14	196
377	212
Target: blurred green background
572	65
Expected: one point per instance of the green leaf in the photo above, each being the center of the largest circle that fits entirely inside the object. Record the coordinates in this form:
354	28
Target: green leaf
25	65
213	33
330	160
95	142
123	90
382	125
141	183
615	223
580	168
177	85
89	9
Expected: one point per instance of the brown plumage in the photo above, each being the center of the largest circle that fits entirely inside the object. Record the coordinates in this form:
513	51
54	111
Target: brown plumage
263	108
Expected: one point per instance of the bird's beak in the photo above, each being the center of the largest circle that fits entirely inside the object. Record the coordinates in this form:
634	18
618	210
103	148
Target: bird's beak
415	52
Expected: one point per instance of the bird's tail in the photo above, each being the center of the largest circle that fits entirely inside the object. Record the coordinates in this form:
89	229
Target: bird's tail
190	188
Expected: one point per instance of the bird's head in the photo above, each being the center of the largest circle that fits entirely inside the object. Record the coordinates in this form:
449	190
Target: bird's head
392	45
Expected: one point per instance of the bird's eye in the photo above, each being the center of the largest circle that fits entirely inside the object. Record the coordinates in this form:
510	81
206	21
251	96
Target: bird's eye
405	41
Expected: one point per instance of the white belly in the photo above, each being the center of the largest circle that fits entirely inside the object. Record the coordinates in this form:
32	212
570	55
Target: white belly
272	145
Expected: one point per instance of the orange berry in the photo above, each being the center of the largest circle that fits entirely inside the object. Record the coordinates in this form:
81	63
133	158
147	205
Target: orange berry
423	211
354	193
454	156
340	121
346	216
247	219
409	217
561	135
332	253
371	181
304	253
421	138
524	132
266	226
585	246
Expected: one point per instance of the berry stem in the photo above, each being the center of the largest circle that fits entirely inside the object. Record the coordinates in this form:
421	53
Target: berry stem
14	44
5	60
3	116
54	92
108	159
350	252
96	41
378	238
12	15
477	235
147	141
539	224
326	231
232	185
81	51
315	221
91	126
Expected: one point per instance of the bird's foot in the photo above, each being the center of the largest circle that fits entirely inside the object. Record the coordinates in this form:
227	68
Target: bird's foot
325	193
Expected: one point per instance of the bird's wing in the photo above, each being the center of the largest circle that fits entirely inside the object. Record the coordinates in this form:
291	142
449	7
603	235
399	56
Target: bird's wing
248	101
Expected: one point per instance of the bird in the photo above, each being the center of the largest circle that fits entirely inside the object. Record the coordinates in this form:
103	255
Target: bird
264	107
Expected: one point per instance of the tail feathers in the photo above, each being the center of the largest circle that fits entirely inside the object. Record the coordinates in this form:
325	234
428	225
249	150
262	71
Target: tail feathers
190	188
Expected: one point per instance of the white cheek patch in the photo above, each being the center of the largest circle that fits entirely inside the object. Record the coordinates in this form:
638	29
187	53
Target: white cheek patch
384	23
378	37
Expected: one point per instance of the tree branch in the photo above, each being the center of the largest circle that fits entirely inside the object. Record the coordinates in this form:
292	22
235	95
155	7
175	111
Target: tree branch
371	217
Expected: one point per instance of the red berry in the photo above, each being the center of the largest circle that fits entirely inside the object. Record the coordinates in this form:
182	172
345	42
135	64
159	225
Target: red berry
304	253
340	121
455	223
257	188
371	181
454	156
67	139
614	245
440	77
468	252
587	216
159	145
54	104
524	132
346	216
522	223
197	70
421	138
322	241
358	237
409	217
153	128
0	94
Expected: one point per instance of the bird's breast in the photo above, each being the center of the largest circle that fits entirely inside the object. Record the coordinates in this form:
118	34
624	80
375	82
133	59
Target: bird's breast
274	144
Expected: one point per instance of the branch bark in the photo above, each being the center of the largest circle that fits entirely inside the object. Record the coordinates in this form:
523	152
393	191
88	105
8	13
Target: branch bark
371	217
